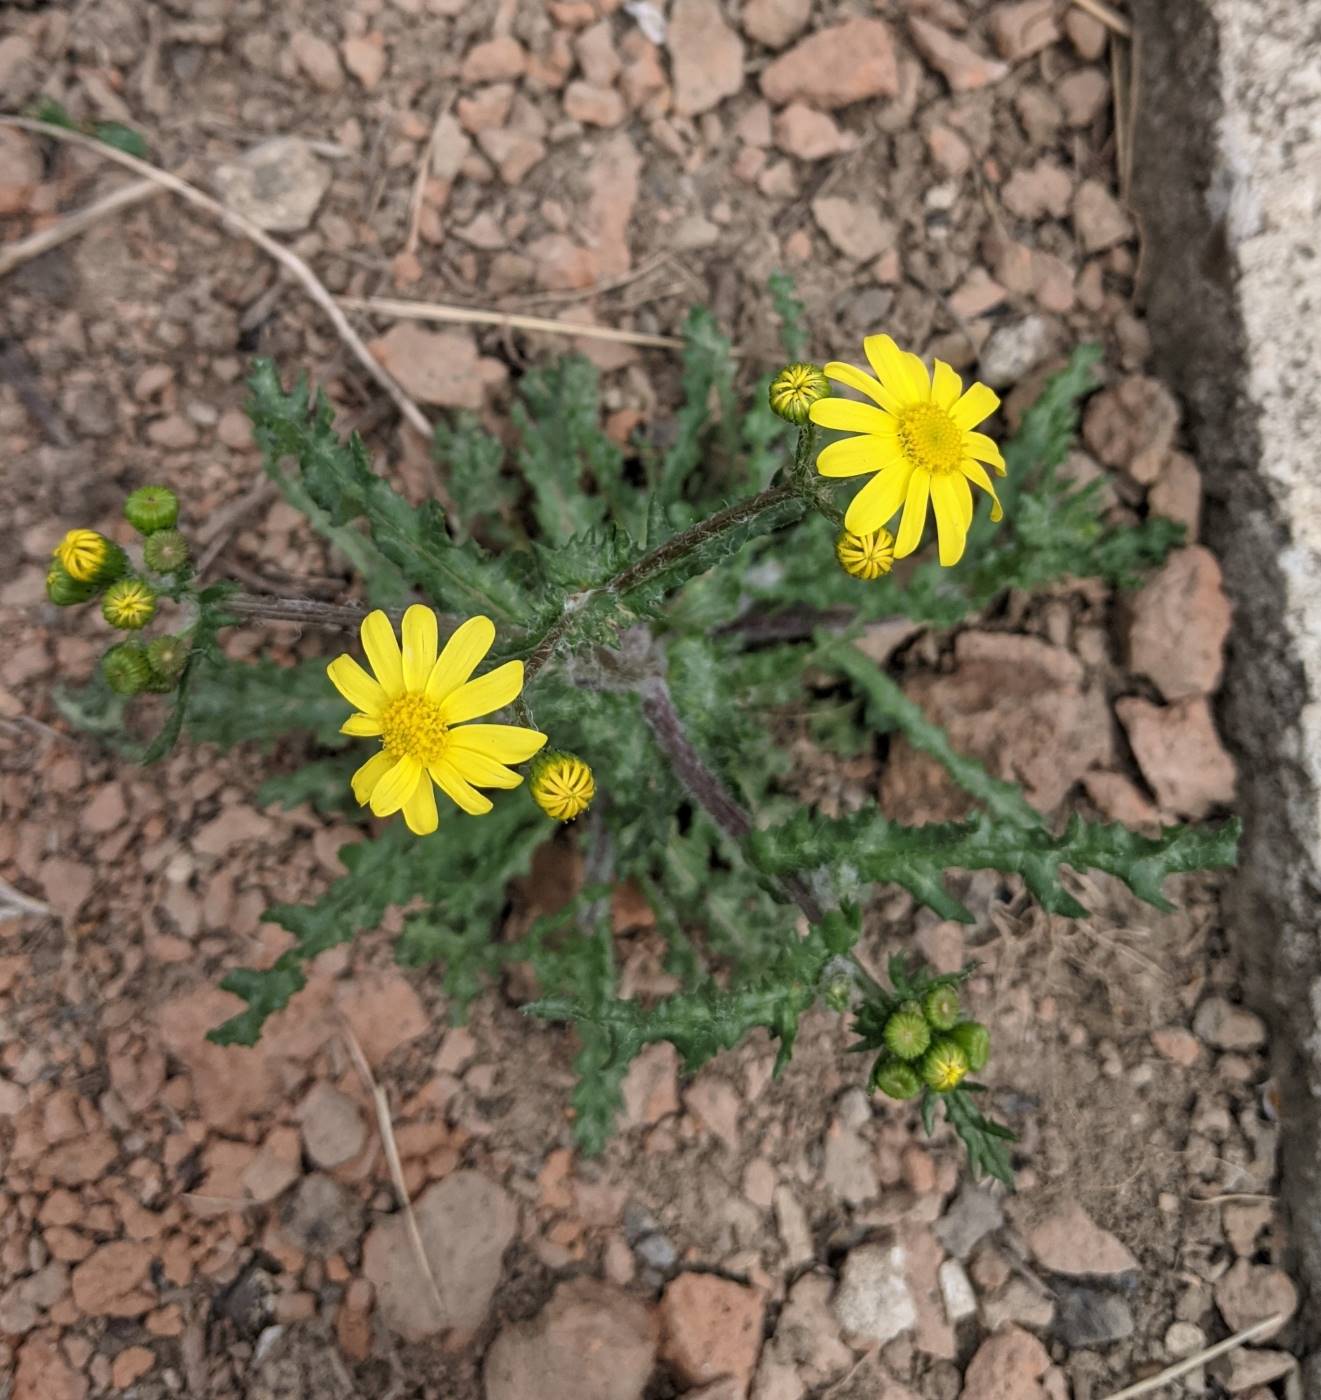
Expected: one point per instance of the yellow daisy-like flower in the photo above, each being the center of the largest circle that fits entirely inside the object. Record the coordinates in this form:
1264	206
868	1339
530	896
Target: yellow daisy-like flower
865	556
84	555
917	436
416	705
562	786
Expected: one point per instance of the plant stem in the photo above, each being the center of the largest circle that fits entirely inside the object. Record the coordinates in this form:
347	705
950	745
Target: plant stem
344	616
706	788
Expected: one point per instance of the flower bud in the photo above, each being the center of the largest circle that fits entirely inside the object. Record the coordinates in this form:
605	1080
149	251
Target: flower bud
562	785
975	1041
895	1078
129	604
168	656
64	590
126	669
795	389
868	557
88	557
944	1065
906	1033
151	508
166	551
941	1006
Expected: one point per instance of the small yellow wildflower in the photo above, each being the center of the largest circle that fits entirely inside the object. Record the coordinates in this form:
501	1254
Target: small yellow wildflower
562	786
795	389
88	557
129	604
415	706
865	556
917	436
944	1065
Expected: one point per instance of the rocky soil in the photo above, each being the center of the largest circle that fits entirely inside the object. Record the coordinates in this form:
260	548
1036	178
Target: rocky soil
178	1219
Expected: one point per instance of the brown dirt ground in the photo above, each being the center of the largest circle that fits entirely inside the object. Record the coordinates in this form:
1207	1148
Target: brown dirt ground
124	355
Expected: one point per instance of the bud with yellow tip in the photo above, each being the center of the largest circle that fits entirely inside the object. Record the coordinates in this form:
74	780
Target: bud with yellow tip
795	389
562	785
867	556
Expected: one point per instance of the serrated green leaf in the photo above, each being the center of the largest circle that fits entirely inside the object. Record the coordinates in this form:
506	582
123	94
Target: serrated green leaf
708	375
985	1141
122	138
266	991
339	479
235	702
471	460
792	314
918	857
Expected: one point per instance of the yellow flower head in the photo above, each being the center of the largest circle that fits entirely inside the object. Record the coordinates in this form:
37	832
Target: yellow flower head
865	556
917	436
129	604
562	786
417	706
85	555
944	1066
795	389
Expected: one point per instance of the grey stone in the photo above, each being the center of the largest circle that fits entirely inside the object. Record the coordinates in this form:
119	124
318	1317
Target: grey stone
974	1214
1090	1317
278	185
873	1302
1015	349
656	1252
322	1218
1229	209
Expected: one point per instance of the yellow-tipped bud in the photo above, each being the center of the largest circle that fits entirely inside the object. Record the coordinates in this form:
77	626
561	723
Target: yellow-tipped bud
129	604
944	1065
865	556
88	557
562	785
795	389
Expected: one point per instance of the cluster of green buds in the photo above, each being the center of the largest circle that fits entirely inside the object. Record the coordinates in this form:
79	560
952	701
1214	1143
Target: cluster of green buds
928	1044
86	565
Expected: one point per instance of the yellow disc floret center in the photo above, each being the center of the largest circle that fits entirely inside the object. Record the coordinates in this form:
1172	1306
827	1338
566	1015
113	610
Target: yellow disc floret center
412	727
930	438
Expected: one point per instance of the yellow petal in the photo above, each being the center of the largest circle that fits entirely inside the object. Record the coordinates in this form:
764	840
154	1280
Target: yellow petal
851	456
361	726
508	743
878	500
356	686
894	369
978	402
480	769
917	372
946	386
378	641
420	809
463	653
458	789
863	383
396	787
365	779
948	510
984	449
486	694
915	514
851	417
975	472
419	647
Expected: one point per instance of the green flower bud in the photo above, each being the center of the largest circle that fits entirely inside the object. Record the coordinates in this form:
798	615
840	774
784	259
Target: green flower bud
63	590
795	389
151	508
838	994
129	604
166	551
941	1005
168	656
88	557
895	1078
975	1041
126	669
906	1033
944	1065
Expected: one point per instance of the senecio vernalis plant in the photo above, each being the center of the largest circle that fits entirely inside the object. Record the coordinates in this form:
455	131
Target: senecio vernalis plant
618	639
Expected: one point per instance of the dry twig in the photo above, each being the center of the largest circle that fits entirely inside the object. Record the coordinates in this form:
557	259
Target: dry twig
1108	15
420	181
14	904
404	310
386	1128
13	255
1191	1363
236	223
